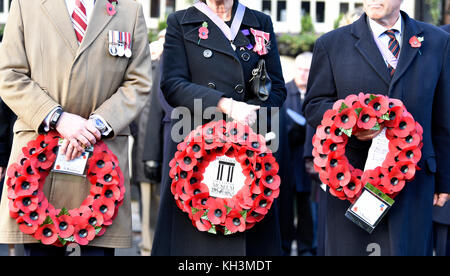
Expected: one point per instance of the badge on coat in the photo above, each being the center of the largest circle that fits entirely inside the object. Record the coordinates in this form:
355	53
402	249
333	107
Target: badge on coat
120	44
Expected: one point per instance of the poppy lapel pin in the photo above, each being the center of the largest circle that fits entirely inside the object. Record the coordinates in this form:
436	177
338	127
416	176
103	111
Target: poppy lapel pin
416	42
203	32
111	7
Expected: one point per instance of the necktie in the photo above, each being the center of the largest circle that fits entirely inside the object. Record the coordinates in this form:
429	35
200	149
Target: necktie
79	20
393	46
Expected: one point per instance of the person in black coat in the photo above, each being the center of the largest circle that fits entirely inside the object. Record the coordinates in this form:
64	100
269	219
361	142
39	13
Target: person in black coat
211	71
441	218
347	61
296	181
7	119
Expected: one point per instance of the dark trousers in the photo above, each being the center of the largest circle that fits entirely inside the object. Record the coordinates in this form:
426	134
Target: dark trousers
37	249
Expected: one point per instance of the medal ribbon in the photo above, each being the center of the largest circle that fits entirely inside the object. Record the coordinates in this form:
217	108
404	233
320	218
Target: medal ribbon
261	40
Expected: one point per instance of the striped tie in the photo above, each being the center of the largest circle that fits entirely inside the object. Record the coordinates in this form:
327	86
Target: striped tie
394	47
79	20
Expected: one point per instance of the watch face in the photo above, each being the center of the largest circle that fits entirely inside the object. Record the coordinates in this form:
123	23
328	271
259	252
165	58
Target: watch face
99	124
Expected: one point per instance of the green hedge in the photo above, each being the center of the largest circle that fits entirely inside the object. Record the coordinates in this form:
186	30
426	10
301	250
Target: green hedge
295	44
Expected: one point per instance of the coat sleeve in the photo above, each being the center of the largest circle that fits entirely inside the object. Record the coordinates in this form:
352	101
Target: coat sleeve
176	78
441	125
17	89
124	105
321	90
273	65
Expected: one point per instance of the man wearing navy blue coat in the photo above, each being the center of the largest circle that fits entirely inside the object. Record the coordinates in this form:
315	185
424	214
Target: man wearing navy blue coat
441	218
348	61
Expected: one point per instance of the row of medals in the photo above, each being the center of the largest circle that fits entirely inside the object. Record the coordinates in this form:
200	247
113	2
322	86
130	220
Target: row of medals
119	49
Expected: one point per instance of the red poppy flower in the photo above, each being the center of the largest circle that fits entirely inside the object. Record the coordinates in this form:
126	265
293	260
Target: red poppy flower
83	232
25	187
394	181
186	161
328	117
408	169
337	135
271	194
271	181
235	222
43	160
104	206
47	234
330	146
367	118
380	105
339	176
216	210
395	114
245	154
30	172
415	42
203	32
320	160
406	125
353	188
32	149
13	171
261	205
335	159
100	163
346	119
257	143
270	165
352	101
338	104
65	225
27	228
111	178
245	198
338	192
199	201
322	132
201	224
35	217
255	187
413	154
27	203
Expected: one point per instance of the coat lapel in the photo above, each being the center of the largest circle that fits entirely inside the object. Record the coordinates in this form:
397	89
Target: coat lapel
407	53
57	13
216	39
368	49
97	24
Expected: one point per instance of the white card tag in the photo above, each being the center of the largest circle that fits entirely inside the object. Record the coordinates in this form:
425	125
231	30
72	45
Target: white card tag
76	166
378	151
368	210
224	177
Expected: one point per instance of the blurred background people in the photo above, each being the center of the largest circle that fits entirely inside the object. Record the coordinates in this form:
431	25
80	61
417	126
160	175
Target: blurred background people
147	152
296	188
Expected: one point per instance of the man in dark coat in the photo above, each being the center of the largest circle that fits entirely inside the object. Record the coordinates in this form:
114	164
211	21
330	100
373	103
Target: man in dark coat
7	119
441	218
211	70
296	186
347	61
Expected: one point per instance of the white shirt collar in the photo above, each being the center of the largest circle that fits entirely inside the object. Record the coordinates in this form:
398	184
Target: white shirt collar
378	29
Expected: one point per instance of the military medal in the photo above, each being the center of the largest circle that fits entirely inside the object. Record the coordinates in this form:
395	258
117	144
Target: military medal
112	47
121	45
128	52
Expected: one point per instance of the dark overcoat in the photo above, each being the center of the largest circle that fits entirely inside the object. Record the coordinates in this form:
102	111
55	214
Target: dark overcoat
347	61
210	69
7	119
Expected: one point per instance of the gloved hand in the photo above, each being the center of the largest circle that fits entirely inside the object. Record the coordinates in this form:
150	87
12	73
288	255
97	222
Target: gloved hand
152	171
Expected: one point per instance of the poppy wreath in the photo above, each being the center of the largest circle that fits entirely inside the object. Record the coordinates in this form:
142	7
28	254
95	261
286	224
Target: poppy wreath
37	217
250	204
367	112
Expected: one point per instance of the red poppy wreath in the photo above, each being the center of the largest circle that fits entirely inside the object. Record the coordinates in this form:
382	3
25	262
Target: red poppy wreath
37	217
224	177
367	112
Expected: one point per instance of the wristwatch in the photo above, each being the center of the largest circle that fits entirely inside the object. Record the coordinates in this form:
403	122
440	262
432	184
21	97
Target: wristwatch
55	118
98	123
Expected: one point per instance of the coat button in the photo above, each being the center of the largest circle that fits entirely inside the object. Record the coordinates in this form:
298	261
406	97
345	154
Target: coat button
212	85
207	53
239	88
245	56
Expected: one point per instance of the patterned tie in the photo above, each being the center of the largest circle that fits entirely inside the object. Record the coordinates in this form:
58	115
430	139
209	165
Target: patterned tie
394	47
79	20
